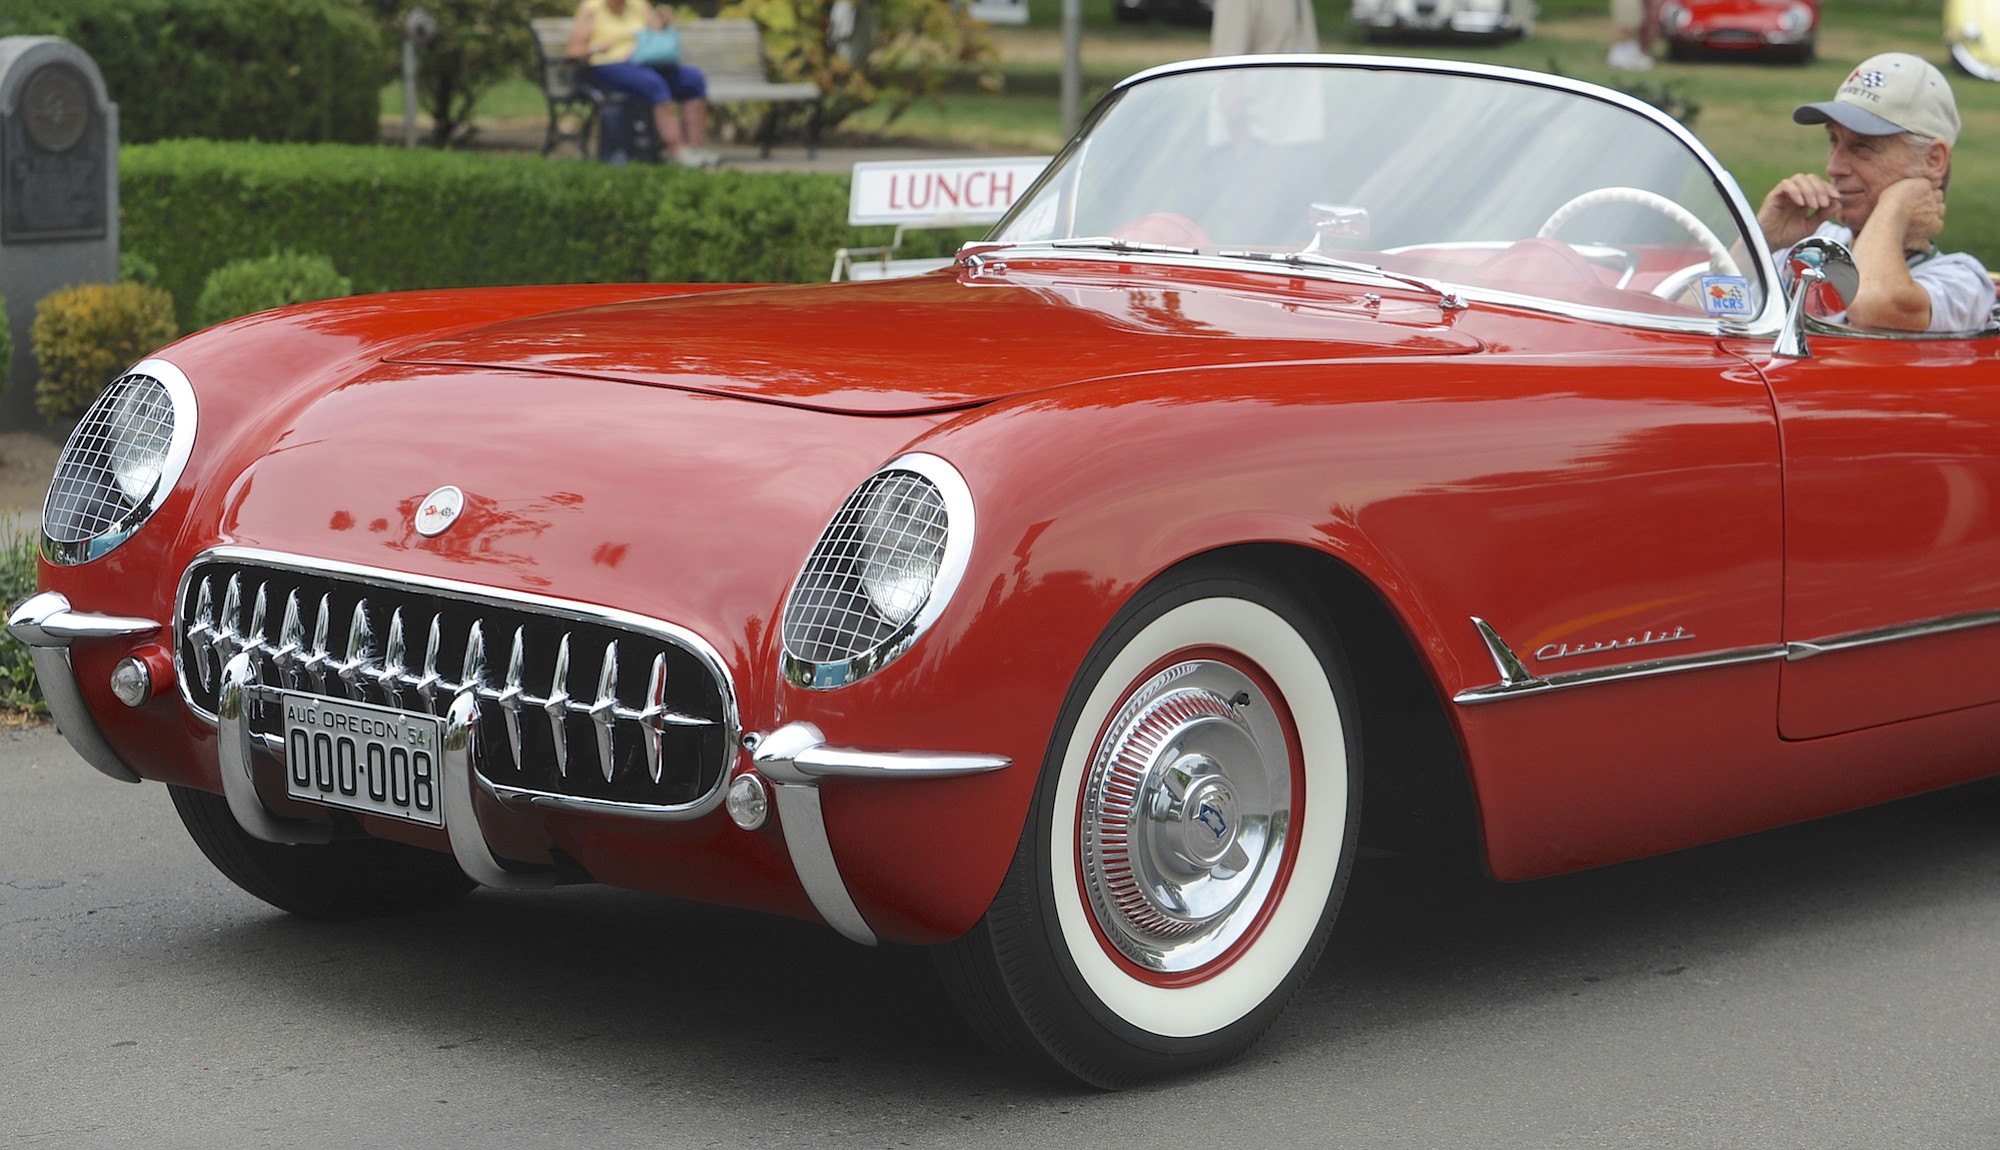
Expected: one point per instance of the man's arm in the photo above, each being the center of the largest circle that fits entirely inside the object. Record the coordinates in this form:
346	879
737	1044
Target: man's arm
1906	216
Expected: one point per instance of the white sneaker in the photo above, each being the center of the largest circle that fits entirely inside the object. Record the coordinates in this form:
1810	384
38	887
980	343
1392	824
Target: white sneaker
1627	56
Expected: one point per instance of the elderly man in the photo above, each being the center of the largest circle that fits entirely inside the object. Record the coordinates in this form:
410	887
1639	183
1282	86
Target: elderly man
1890	131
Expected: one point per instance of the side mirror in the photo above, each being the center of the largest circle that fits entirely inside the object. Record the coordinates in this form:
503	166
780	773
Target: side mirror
1817	268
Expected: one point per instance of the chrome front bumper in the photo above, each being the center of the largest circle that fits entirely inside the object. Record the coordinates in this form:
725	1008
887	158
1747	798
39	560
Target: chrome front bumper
792	760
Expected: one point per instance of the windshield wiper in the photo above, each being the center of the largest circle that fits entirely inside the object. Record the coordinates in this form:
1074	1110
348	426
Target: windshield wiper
1114	244
1079	243
1447	299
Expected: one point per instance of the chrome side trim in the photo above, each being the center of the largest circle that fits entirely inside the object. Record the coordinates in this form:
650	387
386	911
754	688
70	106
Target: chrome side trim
1806	649
46	625
794	758
1516	680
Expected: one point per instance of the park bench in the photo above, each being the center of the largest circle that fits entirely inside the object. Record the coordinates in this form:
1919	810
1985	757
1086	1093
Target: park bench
730	54
953	193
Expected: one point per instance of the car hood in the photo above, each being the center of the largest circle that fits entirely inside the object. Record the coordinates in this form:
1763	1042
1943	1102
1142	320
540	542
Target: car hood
942	341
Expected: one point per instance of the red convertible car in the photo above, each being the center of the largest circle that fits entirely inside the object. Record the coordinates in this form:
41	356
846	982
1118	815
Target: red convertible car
1273	480
1786	30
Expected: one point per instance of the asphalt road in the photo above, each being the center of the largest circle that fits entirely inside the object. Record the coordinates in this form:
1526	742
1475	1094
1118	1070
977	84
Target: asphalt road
1830	985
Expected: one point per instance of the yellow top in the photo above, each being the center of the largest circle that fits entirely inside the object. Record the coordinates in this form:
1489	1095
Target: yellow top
617	31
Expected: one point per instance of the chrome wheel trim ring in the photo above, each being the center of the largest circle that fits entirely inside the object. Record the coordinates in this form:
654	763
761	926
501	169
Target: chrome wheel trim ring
1186	810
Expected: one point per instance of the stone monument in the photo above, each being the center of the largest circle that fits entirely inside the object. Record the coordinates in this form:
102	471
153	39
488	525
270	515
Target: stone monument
58	190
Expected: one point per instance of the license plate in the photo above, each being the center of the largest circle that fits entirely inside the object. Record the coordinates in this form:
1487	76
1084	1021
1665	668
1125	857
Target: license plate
363	757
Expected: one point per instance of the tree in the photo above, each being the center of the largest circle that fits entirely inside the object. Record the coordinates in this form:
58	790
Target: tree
866	52
477	43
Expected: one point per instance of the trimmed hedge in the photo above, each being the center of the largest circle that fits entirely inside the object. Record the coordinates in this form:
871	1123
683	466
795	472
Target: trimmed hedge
225	69
393	219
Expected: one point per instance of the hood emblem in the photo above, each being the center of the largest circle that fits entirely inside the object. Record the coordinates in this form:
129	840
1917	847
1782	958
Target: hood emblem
439	510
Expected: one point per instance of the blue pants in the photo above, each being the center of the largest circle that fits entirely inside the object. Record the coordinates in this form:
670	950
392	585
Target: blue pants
678	84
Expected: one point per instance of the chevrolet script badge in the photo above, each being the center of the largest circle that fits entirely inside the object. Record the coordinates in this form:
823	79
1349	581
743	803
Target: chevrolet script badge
439	510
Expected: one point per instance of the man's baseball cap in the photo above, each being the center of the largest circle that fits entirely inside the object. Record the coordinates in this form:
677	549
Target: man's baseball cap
1887	95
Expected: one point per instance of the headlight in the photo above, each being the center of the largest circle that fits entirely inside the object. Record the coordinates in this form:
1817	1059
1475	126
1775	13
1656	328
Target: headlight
119	464
881	572
1798	18
1676	18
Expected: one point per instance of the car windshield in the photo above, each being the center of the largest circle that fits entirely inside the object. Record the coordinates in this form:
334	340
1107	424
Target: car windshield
1480	179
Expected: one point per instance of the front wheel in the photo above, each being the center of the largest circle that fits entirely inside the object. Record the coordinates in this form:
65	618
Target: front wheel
1187	847
347	879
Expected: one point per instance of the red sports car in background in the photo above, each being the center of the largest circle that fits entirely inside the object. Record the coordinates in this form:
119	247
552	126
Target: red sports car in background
1274	479
1785	30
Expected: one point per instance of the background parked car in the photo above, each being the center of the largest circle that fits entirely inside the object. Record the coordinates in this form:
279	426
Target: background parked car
1785	30
1179	11
1972	29
1484	19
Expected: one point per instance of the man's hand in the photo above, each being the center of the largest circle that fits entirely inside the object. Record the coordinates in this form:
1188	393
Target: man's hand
1795	207
1915	203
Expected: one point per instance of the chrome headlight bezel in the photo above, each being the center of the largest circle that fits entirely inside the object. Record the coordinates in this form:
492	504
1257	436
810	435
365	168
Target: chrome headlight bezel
97	499
879	575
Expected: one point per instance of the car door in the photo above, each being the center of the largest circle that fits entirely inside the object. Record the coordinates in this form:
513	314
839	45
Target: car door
1891	449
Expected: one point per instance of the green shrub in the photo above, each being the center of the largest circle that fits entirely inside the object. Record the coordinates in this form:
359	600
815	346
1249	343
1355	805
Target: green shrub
241	287
19	690
84	336
134	268
225	69
393	219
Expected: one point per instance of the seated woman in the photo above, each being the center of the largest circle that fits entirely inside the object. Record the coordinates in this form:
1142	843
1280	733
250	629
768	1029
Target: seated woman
603	36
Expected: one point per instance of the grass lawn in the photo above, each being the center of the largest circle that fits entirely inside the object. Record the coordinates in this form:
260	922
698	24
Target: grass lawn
1744	109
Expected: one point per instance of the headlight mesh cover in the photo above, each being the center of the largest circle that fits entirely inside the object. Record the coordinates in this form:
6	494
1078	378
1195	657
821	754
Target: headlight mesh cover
879	574
141	426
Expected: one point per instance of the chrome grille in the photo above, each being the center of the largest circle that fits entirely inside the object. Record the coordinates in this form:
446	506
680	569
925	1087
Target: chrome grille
85	500
574	700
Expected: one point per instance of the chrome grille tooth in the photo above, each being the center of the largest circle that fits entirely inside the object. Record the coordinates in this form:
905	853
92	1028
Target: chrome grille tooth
228	639
318	658
392	675
428	680
557	706
357	667
201	633
291	640
656	706
510	694
254	638
472	672
604	712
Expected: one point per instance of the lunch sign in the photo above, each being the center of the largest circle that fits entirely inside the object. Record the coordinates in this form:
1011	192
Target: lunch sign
939	193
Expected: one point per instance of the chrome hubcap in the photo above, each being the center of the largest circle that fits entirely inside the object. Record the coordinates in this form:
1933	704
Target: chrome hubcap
1185	814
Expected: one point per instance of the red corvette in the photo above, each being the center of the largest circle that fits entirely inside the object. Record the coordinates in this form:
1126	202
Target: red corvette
1769	29
1273	480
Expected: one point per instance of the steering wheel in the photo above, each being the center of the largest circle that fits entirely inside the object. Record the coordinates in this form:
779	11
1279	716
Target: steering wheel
1720	262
